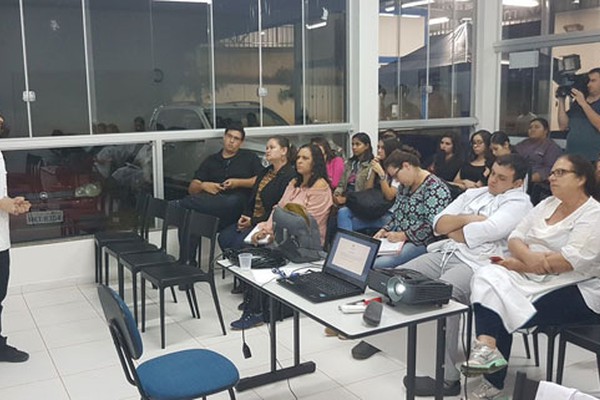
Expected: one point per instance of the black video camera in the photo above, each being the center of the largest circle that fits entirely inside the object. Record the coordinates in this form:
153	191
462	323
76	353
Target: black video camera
566	77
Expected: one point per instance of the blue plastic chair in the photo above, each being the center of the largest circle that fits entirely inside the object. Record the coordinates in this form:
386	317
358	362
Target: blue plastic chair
187	374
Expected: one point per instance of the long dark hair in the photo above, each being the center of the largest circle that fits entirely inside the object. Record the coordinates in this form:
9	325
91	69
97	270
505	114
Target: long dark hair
583	168
285	143
324	143
457	145
365	139
486	137
319	169
389	145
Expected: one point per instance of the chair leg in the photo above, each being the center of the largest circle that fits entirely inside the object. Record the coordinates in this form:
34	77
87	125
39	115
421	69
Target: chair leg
97	262
162	317
106	274
195	301
189	299
213	290
121	280
231	394
562	347
173	294
598	363
134	295
536	349
526	344
143	282
550	356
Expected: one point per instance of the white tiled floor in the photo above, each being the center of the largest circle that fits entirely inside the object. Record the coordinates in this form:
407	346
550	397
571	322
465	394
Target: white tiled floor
72	355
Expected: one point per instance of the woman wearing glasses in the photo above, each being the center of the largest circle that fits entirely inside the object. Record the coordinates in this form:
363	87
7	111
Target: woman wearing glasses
472	173
420	197
550	278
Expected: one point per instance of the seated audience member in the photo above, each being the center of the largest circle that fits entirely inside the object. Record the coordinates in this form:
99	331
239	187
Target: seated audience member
380	180
539	150
389	134
335	164
477	225
472	173
549	278
310	188
267	191
500	144
222	184
449	158
421	196
357	169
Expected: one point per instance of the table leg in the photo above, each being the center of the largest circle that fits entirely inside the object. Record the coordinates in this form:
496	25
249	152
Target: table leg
296	338
440	358
273	334
411	361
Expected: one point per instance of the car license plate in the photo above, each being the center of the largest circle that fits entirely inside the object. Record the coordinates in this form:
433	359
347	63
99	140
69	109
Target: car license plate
44	217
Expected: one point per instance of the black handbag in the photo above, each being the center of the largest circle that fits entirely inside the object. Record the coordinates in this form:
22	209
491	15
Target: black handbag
368	204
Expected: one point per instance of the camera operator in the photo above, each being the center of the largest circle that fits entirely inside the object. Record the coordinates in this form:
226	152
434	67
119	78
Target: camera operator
583	118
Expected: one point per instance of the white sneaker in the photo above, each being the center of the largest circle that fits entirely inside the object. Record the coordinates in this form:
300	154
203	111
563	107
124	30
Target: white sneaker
486	391
483	360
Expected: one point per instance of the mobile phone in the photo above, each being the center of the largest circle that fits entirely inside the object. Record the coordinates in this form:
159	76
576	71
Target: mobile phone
496	259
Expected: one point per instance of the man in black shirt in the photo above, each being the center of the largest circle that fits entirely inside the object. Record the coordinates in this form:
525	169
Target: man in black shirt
223	182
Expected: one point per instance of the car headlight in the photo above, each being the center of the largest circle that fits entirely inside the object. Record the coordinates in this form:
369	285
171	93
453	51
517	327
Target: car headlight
88	190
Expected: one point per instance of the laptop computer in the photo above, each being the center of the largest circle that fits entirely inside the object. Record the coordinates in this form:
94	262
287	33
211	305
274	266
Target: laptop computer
344	273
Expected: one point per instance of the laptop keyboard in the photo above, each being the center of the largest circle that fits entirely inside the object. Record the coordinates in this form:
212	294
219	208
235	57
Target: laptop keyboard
324	283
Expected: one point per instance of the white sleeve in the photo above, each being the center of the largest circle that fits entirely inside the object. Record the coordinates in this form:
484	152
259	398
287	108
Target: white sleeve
582	249
457	207
498	225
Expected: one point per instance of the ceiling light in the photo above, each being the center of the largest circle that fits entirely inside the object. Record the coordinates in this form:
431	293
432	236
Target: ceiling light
316	25
440	20
390	8
417	3
520	3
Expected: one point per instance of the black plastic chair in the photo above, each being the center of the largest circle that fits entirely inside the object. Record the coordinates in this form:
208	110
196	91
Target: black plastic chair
138	233
525	389
587	337
186	274
187	374
155	210
175	217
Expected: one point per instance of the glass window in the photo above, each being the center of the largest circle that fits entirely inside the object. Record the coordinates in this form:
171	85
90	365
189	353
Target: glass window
527	18
530	80
149	56
12	78
425	59
325	25
77	190
56	67
182	159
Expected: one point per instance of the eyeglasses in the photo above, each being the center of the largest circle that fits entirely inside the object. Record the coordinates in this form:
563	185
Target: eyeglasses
477	143
559	172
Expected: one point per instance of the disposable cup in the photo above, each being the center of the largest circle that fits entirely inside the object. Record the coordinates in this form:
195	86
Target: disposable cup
245	260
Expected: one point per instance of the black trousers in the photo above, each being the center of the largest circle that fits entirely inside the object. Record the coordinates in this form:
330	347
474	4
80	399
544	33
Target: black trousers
4	275
562	306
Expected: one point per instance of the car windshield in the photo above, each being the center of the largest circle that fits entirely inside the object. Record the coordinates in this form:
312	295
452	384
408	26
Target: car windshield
248	116
178	119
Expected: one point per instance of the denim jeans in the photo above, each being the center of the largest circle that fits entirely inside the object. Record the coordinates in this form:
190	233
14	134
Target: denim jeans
408	252
348	221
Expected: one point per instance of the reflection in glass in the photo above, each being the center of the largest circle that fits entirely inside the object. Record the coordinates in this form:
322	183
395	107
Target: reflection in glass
56	67
12	79
147	55
425	59
77	190
325	24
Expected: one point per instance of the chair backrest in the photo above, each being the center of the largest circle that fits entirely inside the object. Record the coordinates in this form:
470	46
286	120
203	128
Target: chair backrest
141	206
119	318
156	209
202	226
525	389
176	217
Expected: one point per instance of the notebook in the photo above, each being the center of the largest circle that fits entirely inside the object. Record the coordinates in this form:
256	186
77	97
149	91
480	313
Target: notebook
344	273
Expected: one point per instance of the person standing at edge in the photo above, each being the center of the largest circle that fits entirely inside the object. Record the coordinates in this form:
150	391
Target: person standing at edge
15	206
583	119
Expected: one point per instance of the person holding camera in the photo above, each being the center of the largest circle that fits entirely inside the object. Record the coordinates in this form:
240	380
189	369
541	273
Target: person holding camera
583	118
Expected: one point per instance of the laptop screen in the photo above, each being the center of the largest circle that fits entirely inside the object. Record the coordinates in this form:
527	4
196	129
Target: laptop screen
351	257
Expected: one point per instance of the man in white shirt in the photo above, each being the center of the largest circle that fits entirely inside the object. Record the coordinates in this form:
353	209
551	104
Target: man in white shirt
477	225
15	206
